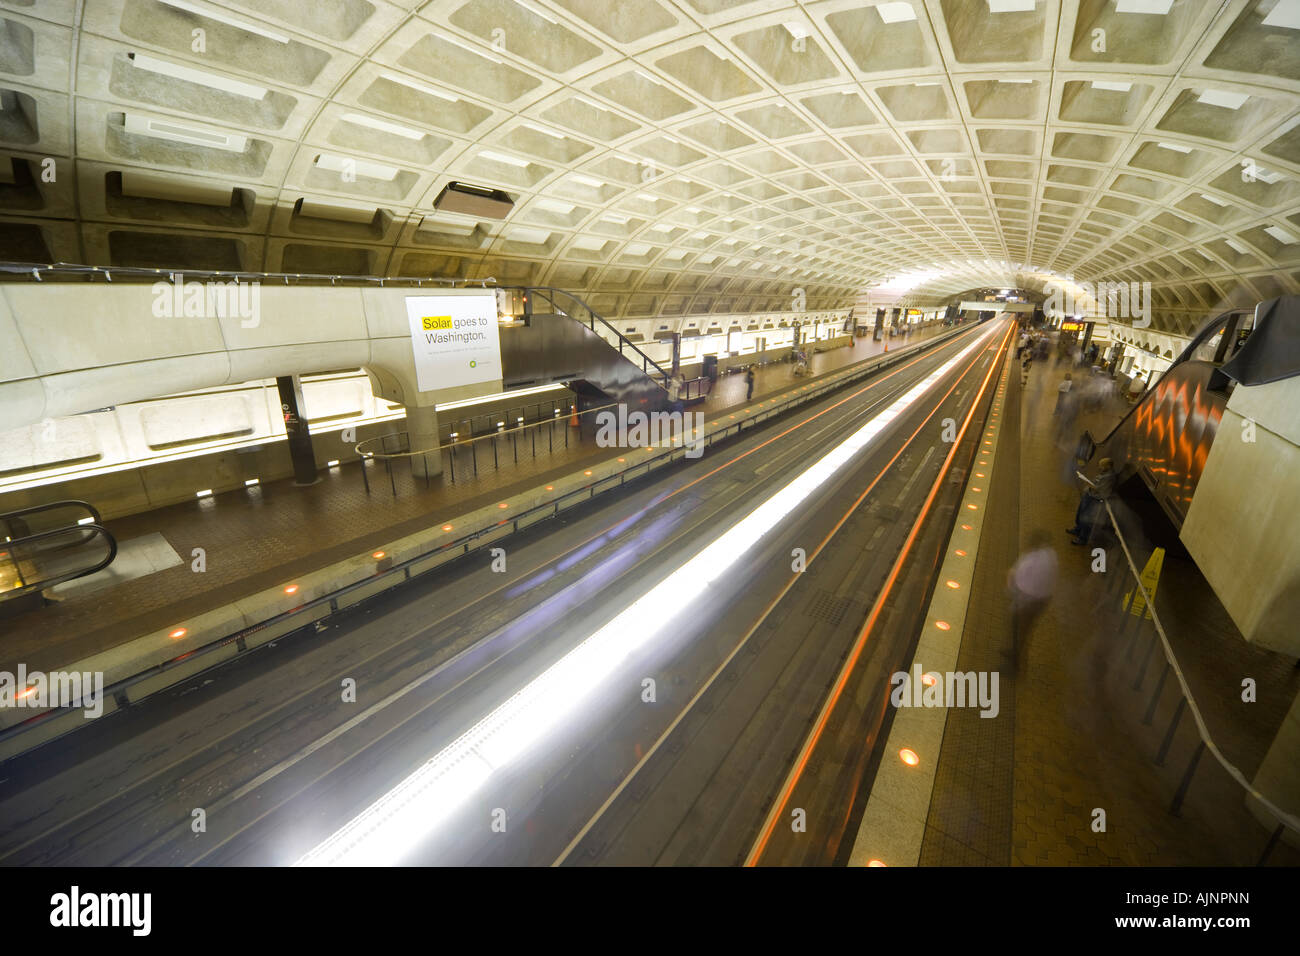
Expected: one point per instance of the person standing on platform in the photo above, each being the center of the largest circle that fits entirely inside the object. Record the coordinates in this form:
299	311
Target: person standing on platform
1091	502
749	383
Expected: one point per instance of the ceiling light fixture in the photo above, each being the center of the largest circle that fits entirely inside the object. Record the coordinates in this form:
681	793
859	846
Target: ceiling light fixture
536	12
419	87
360	119
503	158
361	167
896	12
213	81
226	19
1229	101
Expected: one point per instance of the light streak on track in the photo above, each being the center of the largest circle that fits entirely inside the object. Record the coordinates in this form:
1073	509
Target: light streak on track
810	743
389	828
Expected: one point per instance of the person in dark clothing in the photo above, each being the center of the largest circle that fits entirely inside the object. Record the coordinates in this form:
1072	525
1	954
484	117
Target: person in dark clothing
749	383
1090	502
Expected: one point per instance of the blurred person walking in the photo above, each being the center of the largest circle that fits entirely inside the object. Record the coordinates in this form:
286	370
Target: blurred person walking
1031	582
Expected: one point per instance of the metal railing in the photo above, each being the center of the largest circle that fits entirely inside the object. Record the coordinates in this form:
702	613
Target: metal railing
1187	701
67	270
502	441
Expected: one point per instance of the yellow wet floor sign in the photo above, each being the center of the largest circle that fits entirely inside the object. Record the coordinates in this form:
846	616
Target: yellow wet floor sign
1150	578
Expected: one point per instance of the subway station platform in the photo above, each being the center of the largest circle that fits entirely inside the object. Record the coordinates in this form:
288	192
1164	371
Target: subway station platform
1090	747
276	532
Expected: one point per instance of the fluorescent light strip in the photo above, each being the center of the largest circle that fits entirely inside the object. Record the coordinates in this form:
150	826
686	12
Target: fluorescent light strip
419	87
385	831
1285	15
483	400
179	133
469	49
536	12
896	12
361	119
213	81
226	19
503	158
1222	98
544	131
1158	8
361	167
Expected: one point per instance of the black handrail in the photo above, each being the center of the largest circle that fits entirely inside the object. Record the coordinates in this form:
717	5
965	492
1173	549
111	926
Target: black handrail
28	587
7	517
64	269
66	502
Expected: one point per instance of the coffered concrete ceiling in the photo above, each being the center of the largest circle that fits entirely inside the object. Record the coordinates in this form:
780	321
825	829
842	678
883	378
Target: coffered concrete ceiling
667	157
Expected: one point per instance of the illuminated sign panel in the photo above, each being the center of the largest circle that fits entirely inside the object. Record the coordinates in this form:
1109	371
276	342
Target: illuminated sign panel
455	340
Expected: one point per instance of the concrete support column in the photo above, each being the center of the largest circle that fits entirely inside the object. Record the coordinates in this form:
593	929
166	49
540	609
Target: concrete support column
422	431
295	425
1278	777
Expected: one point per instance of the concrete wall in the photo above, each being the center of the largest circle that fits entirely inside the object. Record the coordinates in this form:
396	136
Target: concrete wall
1241	526
68	348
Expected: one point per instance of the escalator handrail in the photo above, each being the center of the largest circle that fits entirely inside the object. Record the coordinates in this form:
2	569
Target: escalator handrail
60	578
50	506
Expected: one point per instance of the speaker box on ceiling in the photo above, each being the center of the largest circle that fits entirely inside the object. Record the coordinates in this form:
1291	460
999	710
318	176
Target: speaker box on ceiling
477	201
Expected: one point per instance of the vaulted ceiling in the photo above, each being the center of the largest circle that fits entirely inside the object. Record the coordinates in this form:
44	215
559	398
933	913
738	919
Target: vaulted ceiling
667	157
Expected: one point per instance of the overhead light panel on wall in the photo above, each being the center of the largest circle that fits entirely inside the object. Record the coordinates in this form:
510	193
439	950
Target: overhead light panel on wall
896	12
213	81
1230	101
182	133
503	158
360	167
222	17
1284	15
361	119
1157	8
411	84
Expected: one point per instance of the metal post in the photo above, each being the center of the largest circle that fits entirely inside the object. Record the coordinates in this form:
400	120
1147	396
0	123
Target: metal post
1146	658
388	463
425	456
365	479
1187	780
1272	842
1169	735
1155	698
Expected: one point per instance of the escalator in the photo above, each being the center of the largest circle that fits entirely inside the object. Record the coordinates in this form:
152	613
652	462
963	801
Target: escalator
46	545
1165	439
561	339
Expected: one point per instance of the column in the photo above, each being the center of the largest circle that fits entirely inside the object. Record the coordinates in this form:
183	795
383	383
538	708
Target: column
422	432
295	426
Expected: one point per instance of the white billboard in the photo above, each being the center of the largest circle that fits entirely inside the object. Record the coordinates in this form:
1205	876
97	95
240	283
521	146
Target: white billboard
456	339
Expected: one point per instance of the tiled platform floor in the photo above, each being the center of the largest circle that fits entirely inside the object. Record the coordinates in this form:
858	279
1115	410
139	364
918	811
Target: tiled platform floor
1071	738
257	538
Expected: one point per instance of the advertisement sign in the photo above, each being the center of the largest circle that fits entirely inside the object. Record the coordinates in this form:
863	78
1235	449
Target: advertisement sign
456	339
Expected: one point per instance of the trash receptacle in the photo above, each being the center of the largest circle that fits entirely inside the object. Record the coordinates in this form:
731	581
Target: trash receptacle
710	369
